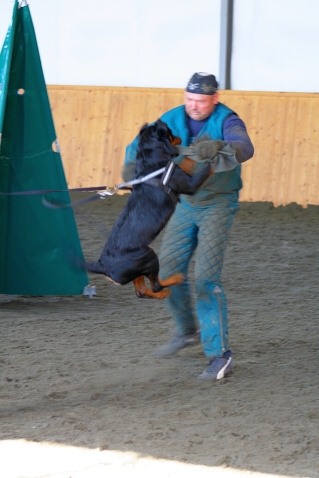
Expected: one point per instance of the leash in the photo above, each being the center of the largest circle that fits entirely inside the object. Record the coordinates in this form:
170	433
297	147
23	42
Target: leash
50	204
106	191
136	181
47	191
103	191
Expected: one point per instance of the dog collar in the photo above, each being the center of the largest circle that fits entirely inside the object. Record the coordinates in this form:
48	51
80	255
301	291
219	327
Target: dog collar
163	182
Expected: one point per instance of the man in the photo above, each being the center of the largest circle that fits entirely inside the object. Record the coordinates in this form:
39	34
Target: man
202	222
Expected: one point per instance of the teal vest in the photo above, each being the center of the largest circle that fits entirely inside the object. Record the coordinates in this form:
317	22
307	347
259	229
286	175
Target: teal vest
227	182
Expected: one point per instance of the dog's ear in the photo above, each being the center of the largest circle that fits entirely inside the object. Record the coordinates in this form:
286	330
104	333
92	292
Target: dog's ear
165	136
162	129
143	129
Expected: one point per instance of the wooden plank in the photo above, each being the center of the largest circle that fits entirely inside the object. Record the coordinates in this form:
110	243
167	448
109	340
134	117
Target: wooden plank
94	125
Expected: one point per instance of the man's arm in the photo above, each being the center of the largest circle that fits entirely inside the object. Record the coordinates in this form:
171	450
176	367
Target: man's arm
235	133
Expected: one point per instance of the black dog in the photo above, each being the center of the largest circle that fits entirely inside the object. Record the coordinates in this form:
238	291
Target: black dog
126	255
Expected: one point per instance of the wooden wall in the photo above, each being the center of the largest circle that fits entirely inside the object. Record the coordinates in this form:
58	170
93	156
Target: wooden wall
94	125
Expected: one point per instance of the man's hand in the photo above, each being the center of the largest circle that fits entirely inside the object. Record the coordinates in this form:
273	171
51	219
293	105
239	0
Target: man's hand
207	149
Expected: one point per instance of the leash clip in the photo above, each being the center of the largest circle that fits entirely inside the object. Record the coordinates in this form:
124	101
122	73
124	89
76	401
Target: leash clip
109	191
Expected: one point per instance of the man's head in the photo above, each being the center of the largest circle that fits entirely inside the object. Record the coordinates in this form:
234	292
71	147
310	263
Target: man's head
201	96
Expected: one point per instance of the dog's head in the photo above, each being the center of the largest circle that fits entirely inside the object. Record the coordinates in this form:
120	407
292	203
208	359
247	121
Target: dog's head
156	146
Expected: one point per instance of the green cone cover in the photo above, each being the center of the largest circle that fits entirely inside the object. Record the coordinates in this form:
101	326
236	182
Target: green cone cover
36	243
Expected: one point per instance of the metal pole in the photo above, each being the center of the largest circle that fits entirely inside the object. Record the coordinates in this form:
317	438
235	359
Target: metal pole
226	37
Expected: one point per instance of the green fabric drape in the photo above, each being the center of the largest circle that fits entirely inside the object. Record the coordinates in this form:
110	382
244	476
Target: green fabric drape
36	243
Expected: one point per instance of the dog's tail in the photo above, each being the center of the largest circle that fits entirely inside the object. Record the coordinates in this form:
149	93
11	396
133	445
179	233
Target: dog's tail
79	263
95	267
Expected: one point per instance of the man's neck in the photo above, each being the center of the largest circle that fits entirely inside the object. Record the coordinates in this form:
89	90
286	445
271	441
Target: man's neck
195	126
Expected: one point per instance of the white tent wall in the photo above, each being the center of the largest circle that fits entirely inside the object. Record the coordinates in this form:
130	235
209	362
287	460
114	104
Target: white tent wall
160	43
157	43
275	45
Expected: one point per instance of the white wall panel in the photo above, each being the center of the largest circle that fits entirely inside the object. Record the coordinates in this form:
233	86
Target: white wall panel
275	45
160	43
151	43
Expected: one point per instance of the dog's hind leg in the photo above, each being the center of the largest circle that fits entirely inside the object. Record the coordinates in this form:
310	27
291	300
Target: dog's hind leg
172	280
143	291
157	284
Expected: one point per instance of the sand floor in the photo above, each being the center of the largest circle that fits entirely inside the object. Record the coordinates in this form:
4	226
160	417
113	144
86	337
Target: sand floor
83	395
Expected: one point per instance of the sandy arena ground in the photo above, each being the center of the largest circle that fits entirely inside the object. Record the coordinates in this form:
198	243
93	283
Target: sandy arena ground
83	396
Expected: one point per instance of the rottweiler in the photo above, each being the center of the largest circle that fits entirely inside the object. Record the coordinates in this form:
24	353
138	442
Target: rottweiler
127	256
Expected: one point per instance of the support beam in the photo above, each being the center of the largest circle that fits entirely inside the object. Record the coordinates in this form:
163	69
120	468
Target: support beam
226	38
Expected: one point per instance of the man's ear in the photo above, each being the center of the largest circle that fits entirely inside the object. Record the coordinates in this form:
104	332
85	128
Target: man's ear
216	98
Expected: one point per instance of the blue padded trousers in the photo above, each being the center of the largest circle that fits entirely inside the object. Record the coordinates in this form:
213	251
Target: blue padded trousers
203	229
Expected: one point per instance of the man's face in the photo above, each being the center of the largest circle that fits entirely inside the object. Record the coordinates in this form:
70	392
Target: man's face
199	107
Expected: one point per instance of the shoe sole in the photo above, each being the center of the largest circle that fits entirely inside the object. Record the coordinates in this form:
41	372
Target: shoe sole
221	374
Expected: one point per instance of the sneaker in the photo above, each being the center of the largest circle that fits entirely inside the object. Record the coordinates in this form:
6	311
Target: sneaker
178	342
218	367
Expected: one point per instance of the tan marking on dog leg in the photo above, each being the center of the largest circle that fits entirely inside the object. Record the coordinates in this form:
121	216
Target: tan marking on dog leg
187	165
175	141
143	291
172	280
